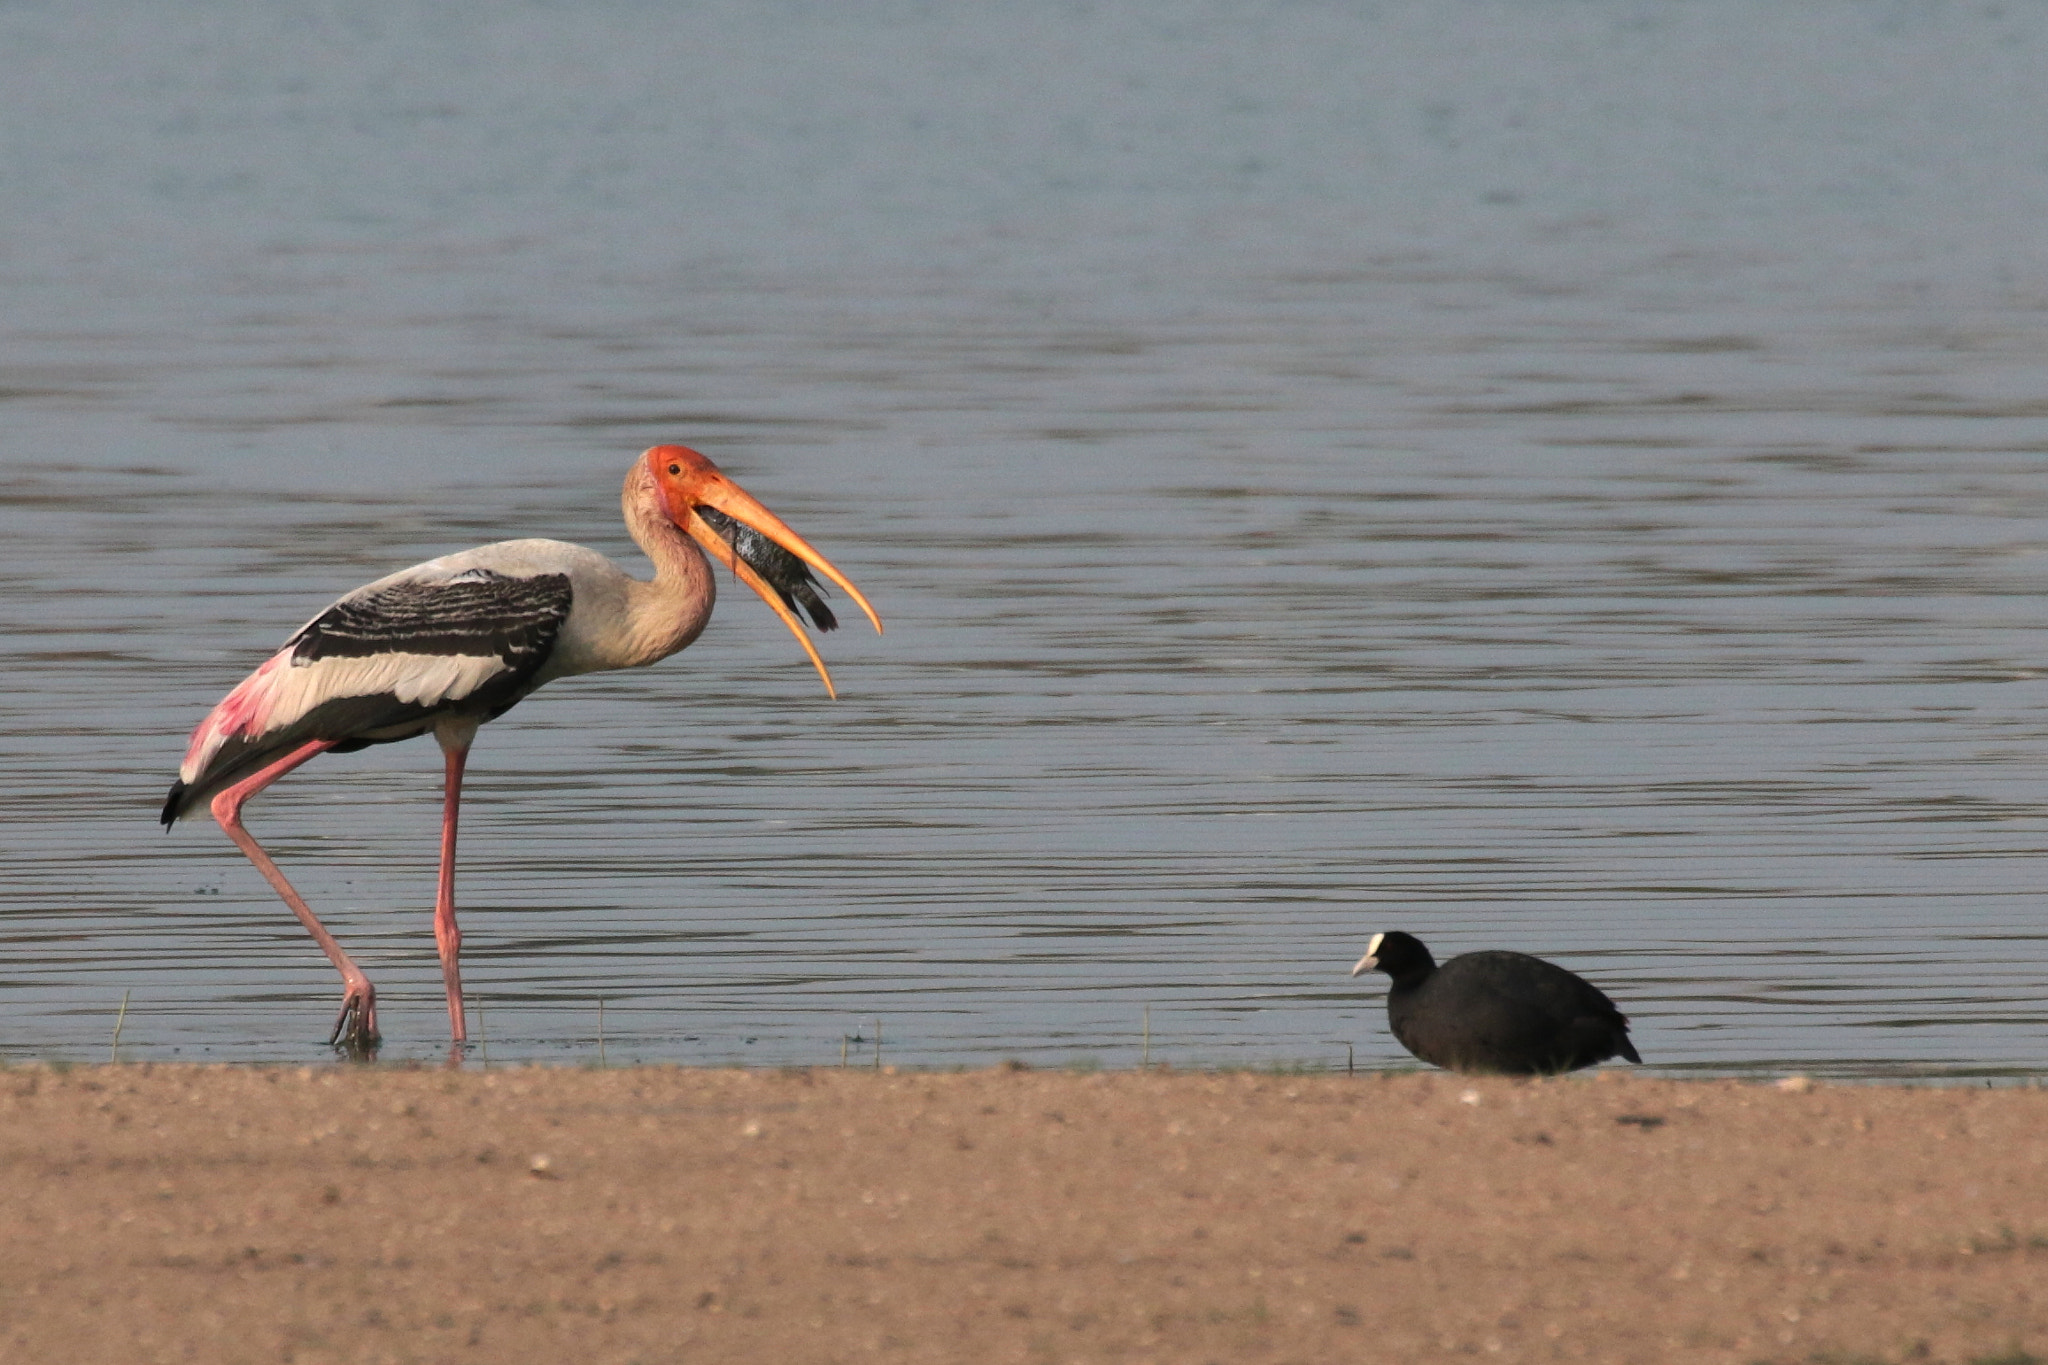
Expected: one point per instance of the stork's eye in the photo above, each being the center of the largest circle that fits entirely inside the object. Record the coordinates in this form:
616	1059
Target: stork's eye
675	469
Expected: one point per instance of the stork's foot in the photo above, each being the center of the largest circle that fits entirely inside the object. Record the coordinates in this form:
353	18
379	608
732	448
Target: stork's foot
355	1028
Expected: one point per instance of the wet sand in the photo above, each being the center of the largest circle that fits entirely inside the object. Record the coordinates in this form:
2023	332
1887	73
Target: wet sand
374	1214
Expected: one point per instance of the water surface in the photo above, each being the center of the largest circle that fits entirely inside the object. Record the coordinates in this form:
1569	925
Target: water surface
1565	477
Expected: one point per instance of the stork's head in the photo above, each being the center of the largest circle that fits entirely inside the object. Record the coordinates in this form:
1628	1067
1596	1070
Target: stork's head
738	532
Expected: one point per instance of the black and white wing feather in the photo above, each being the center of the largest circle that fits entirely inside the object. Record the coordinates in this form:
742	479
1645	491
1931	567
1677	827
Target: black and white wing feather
383	664
474	614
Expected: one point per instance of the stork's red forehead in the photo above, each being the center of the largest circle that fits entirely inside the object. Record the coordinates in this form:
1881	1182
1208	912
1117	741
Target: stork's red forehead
681	477
685	461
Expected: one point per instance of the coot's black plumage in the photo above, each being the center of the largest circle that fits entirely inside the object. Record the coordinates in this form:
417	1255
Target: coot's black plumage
1495	1011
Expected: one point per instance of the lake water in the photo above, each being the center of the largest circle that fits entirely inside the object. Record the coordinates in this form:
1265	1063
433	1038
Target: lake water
1561	476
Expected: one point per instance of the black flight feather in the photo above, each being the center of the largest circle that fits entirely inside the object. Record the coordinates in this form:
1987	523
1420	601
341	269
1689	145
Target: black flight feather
478	613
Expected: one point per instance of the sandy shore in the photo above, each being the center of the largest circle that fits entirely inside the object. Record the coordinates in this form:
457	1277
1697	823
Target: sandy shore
368	1214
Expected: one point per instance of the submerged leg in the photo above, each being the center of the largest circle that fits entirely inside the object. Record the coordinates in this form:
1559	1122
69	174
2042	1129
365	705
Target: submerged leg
447	935
356	1026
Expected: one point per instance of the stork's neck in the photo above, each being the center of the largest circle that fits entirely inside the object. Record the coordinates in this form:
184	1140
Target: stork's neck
668	613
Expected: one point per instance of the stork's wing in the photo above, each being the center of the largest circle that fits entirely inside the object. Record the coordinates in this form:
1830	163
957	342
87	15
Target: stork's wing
378	666
478	613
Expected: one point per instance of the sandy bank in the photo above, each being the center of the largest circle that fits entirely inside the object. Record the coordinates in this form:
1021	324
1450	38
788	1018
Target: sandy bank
366	1214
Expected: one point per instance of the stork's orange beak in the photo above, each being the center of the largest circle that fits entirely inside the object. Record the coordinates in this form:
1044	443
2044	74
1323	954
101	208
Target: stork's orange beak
688	481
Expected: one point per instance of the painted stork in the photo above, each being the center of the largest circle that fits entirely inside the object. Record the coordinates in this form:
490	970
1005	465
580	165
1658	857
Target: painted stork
446	645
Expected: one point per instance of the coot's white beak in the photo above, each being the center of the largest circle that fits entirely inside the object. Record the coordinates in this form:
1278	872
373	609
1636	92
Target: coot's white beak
1371	958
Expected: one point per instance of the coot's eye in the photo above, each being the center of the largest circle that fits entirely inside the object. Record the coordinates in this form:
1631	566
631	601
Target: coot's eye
675	469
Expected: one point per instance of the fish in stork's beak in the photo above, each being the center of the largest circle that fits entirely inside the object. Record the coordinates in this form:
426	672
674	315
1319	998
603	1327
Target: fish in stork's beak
752	541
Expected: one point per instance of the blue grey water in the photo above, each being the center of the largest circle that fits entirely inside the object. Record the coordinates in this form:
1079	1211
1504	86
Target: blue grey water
1568	475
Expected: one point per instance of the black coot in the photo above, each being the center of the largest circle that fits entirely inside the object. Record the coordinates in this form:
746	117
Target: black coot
1495	1011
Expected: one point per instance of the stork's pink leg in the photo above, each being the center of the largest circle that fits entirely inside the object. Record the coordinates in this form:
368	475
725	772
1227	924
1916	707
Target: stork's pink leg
356	1026
447	935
